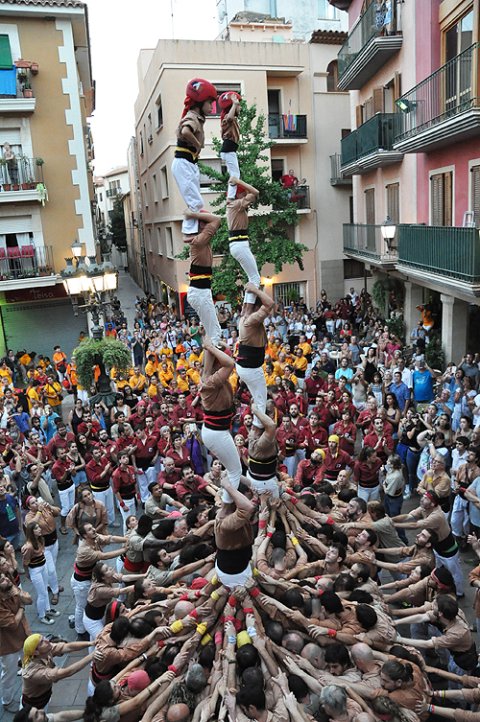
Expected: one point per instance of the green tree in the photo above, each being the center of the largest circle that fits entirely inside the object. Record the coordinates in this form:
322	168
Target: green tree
117	225
105	353
271	231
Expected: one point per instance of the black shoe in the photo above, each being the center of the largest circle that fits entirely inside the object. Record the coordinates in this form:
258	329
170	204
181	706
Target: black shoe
83	637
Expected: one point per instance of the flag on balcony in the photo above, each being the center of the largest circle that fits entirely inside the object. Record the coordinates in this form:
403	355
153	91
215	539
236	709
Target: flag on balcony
8	82
289	122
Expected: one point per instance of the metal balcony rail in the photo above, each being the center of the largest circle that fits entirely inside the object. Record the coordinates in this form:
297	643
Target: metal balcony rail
26	262
287	126
448	251
376	134
301	196
112	192
370	25
336	174
363	239
20	173
449	91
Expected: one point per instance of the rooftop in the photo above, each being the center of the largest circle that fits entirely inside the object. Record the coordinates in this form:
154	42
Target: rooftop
328	37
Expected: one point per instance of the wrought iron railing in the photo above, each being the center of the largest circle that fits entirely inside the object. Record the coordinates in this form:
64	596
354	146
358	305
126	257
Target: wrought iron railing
366	240
26	262
372	24
287	126
448	251
336	173
20	173
449	91
376	134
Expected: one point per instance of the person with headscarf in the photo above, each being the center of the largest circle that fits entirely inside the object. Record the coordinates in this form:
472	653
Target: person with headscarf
200	94
39	672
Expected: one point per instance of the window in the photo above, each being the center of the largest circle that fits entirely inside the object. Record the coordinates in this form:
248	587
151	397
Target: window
277	168
475	199
287	293
100	197
5	53
393	202
222	88
141	143
326	11
154	184
205	181
169	241
354	269
145	194
273	113
441	198
149	240
159	242
332	77
164	181
370	206
158	104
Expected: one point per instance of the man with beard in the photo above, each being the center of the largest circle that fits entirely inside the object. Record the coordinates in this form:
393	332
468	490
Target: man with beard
307	470
313	384
315	434
420	553
13	632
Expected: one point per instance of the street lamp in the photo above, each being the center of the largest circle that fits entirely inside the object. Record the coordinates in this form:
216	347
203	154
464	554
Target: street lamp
388	230
90	280
76	249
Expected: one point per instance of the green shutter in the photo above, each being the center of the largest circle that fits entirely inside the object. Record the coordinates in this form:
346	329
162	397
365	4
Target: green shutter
5	53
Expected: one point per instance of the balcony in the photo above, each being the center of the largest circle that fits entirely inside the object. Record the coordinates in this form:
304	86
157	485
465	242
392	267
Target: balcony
301	197
371	145
448	255
366	243
21	179
287	129
371	43
113	192
26	265
16	93
337	176
444	108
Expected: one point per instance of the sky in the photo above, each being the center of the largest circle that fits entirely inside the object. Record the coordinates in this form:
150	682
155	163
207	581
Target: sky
118	30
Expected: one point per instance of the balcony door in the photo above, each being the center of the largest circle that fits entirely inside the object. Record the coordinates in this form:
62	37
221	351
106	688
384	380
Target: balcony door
274	113
441	198
459	75
370	218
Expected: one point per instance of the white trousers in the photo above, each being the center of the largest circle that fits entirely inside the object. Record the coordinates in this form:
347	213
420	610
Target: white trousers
453	566
106	497
231	161
39	579
130	504
144	479
240	250
93	627
220	443
256	384
200	299
67	499
8	676
460	521
80	591
187	176
234	580
265	485
51	554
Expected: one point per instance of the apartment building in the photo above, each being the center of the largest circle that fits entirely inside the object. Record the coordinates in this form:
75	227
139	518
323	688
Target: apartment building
46	191
412	73
280	78
303	17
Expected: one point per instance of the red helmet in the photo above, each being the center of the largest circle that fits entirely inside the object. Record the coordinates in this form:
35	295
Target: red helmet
200	90
225	99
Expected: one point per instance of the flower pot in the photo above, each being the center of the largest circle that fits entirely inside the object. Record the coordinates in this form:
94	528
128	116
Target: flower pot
27	93
31	186
25	186
7	186
15	187
34	68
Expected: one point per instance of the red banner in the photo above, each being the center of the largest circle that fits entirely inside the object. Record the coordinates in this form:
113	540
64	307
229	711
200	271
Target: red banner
30	295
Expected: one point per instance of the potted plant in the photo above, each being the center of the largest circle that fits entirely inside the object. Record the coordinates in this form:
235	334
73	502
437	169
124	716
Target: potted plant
34	68
3	176
27	89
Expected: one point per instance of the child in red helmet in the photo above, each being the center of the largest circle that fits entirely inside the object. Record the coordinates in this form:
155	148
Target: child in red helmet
200	95
229	102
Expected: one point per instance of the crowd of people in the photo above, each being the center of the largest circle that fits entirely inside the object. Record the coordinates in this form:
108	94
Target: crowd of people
242	549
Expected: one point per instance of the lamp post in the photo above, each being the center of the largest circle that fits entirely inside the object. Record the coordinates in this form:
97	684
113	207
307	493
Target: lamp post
90	280
388	230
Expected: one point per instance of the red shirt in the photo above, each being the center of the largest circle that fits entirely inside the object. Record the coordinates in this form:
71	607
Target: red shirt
332	465
95	429
60	467
315	438
340	429
182	488
384	444
306	472
171	478
94	471
288	440
312	387
59	442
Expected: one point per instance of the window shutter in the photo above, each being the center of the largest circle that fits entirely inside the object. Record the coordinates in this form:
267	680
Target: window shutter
368	110
5	53
378	102
370	206
393	202
437	199
358	116
397	86
475	204
447	199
